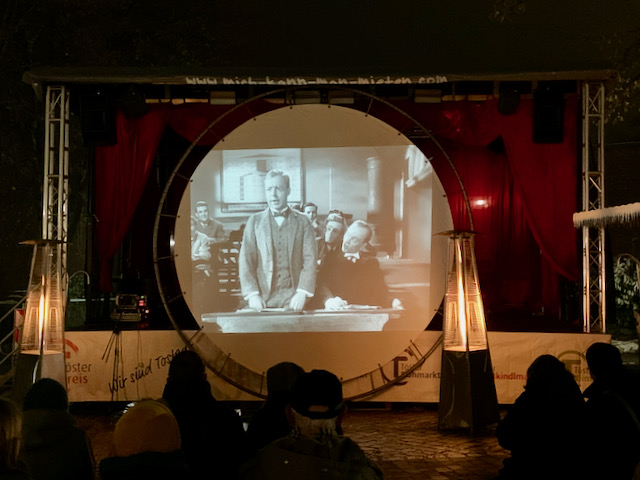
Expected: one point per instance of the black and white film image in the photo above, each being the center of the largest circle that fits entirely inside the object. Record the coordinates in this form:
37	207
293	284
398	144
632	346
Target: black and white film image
311	239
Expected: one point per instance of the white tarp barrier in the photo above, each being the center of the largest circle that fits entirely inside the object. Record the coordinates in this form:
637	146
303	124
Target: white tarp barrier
139	370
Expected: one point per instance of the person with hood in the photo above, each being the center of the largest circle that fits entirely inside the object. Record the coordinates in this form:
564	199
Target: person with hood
146	441
213	438
55	448
270	422
544	428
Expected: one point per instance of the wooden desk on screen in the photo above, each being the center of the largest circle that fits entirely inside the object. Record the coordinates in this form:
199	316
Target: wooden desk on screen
361	320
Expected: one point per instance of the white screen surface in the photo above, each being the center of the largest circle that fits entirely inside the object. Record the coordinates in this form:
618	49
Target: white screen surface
336	158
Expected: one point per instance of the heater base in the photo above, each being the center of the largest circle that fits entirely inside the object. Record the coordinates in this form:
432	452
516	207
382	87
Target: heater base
468	397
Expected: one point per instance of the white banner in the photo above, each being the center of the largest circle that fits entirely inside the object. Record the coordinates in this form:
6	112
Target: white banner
102	366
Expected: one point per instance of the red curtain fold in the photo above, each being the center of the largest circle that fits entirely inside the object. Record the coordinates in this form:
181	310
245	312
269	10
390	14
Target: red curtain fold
545	174
121	174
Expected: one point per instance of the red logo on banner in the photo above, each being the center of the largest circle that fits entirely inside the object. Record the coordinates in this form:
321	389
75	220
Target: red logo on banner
72	346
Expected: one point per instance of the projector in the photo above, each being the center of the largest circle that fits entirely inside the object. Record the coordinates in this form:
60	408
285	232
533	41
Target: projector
129	308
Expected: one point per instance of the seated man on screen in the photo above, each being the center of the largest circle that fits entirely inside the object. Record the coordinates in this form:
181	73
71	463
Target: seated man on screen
310	209
213	229
277	260
331	241
353	279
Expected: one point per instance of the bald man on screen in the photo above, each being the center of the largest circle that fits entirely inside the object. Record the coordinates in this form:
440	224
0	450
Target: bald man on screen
351	278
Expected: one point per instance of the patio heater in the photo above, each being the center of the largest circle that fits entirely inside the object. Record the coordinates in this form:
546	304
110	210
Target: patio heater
41	351
468	397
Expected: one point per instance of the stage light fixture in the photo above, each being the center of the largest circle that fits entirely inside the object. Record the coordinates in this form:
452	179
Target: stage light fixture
341	97
222	98
306	97
422	95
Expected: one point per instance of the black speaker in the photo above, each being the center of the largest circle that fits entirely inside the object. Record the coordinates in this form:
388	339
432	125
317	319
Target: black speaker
548	117
98	118
509	96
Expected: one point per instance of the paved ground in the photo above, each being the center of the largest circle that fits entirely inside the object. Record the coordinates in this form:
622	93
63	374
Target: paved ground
408	446
405	442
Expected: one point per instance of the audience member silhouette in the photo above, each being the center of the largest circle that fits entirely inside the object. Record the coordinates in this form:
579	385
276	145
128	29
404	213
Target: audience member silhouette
55	448
270	422
11	468
613	409
213	438
543	429
313	450
146	440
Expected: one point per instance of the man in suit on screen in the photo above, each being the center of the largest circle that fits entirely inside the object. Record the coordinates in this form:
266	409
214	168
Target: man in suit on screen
353	278
277	260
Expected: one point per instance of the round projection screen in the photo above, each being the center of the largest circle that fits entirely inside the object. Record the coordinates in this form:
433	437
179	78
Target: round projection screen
350	178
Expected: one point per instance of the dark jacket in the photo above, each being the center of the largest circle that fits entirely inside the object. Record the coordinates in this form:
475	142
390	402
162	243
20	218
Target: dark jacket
146	466
360	283
54	447
546	436
212	435
613	418
324	457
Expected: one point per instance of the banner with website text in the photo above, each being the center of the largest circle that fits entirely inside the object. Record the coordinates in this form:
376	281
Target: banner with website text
131	365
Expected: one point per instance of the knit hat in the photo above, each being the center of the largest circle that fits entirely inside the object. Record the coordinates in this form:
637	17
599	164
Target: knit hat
46	393
149	426
317	394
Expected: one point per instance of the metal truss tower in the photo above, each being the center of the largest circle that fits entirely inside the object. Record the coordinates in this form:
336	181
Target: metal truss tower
55	192
593	240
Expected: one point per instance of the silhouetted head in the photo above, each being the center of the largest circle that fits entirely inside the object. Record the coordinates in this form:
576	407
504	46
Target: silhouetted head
46	393
317	395
149	426
603	360
186	365
281	377
548	374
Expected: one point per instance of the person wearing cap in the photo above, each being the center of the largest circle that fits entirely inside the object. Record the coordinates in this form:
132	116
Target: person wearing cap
54	446
277	260
353	278
314	449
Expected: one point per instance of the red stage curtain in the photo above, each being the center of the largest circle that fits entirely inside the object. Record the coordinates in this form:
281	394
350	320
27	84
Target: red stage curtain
545	174
529	241
121	174
531	189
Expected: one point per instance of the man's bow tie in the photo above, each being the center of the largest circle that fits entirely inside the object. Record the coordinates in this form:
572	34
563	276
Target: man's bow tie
279	214
353	257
